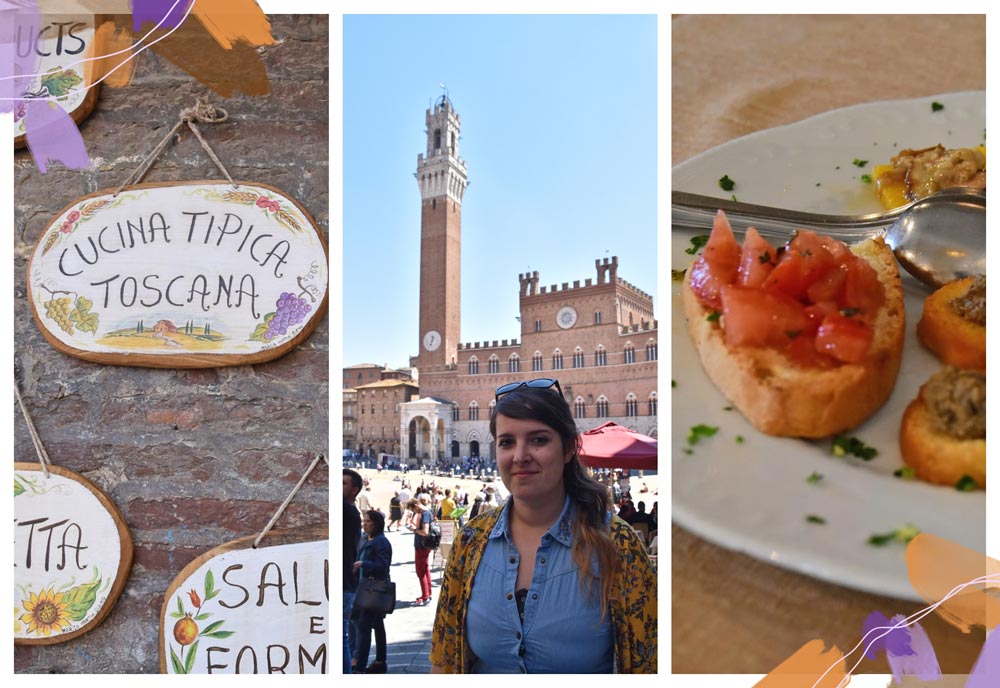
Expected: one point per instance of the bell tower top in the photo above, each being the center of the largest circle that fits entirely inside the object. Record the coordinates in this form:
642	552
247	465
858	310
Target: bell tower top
442	172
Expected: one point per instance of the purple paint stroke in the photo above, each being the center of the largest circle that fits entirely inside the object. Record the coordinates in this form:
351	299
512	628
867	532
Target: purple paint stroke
986	672
918	659
19	22
170	12
53	136
896	642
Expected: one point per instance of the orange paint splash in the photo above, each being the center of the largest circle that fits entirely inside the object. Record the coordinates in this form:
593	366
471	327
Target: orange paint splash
936	566
805	667
217	45
110	39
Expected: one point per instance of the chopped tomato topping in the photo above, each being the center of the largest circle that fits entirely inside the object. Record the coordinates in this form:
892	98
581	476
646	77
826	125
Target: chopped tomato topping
757	260
812	298
756	317
846	339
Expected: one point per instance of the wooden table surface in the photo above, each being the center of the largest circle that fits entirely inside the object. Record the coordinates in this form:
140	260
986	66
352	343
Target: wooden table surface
732	75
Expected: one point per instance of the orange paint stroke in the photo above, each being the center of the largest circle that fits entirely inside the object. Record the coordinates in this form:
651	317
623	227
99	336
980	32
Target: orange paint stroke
110	39
232	21
936	566
804	668
217	45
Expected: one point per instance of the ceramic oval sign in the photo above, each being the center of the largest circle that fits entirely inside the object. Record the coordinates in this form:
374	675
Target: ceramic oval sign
239	610
186	275
63	47
72	555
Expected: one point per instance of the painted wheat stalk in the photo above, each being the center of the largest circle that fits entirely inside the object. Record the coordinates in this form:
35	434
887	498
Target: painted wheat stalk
287	219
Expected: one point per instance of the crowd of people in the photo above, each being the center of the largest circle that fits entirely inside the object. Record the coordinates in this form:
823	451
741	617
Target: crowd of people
504	605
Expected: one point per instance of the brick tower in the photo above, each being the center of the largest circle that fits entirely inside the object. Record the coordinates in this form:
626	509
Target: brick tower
442	179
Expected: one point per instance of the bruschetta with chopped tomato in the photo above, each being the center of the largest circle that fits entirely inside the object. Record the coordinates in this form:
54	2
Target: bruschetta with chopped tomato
805	339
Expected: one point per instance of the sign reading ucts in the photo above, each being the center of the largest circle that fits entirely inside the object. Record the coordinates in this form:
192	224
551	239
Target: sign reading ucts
183	275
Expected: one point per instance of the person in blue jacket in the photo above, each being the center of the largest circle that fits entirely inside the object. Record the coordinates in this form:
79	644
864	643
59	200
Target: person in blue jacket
374	560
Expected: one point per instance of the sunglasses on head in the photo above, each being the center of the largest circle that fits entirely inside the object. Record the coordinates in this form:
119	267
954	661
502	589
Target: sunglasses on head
538	383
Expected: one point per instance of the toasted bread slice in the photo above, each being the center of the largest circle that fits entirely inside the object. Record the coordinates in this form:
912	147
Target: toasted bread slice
935	456
781	398
952	338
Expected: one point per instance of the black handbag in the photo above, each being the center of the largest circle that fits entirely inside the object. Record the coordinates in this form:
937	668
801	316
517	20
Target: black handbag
376	596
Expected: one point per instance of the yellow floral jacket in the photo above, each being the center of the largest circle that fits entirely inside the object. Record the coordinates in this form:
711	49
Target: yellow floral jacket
633	602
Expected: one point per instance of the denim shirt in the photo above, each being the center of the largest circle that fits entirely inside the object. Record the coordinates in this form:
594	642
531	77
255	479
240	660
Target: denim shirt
562	632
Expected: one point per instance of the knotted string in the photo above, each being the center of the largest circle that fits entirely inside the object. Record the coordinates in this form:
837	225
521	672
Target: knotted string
201	111
288	500
43	456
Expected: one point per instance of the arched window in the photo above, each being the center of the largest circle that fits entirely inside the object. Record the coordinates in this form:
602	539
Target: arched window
629	353
601	356
474	411
602	406
631	405
580	408
514	364
651	350
494	364
557	360
652	404
597	317
536	361
437	139
473	366
493	406
578	358
454	412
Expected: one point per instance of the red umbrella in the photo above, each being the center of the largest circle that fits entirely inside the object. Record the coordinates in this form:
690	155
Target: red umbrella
614	446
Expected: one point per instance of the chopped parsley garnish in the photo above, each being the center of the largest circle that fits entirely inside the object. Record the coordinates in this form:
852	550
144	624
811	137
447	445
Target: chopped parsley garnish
905	473
902	535
844	445
678	275
849	311
697	242
699	431
687	450
765	257
817	183
733	197
713	316
792	334
814	478
813	518
859	163
726	184
866	178
966	484
727	408
936	106
739	439
673	383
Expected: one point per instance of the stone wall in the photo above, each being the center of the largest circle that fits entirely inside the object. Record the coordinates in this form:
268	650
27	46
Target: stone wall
192	459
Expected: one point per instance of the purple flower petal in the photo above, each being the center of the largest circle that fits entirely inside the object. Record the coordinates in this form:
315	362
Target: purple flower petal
986	672
53	135
156	10
917	659
19	22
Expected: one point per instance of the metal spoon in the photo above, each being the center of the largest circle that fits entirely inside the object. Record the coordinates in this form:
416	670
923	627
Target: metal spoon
936	239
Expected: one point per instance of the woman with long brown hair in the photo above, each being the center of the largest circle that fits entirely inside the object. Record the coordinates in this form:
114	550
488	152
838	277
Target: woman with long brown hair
552	582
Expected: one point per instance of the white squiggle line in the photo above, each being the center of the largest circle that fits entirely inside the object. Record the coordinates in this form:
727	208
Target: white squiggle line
120	64
908	621
92	59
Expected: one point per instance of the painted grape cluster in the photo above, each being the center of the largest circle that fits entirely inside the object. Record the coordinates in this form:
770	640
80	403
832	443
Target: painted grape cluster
289	310
65	316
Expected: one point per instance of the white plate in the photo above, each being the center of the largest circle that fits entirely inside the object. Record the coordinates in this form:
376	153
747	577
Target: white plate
753	496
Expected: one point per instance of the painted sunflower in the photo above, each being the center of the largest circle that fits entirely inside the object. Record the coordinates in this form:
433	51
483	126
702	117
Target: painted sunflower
45	612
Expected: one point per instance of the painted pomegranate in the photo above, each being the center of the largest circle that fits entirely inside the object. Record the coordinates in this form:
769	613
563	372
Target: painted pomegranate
185	630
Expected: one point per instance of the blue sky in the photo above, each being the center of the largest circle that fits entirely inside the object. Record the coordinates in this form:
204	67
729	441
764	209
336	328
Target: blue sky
559	134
